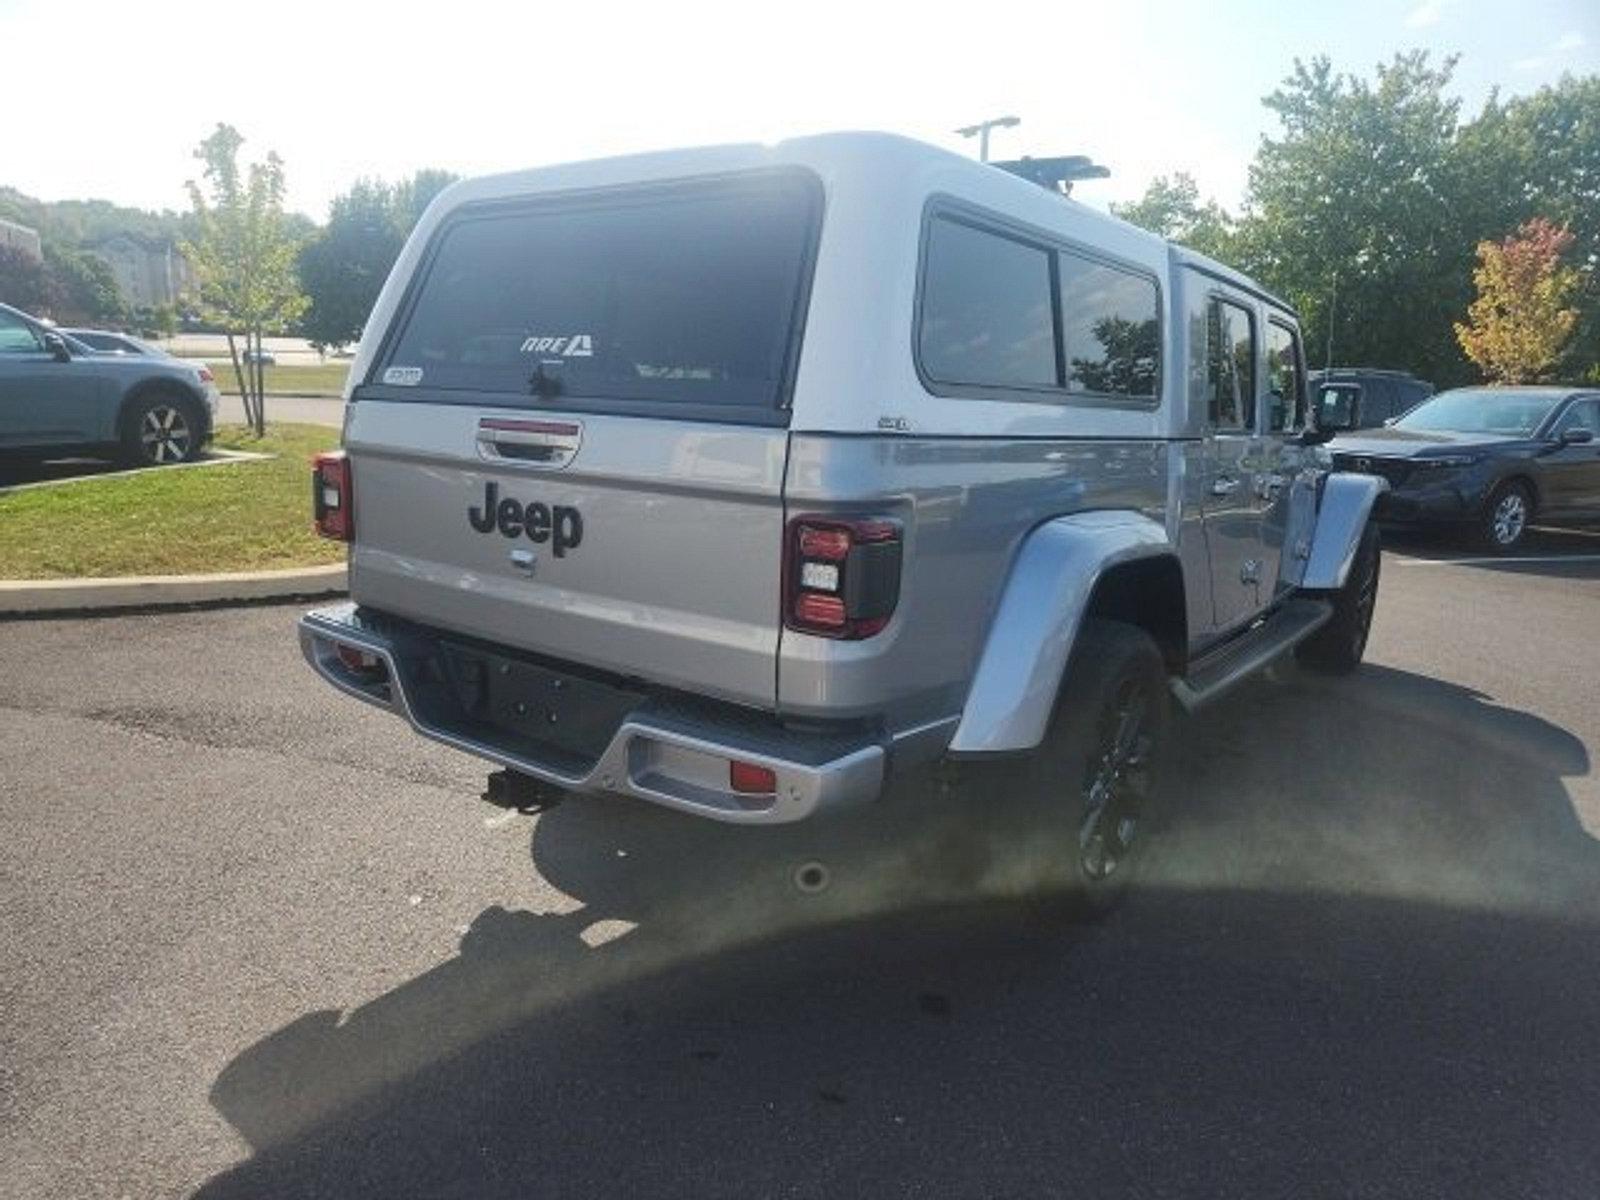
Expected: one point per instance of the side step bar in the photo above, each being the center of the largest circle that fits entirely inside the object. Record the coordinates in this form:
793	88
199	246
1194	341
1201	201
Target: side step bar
1280	631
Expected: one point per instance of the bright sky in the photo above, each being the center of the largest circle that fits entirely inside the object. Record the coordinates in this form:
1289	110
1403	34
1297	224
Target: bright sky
111	104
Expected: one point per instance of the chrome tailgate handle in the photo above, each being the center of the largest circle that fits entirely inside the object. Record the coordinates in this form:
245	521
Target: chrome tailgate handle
532	443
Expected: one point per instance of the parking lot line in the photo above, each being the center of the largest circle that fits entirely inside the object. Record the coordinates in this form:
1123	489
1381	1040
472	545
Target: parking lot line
1405	561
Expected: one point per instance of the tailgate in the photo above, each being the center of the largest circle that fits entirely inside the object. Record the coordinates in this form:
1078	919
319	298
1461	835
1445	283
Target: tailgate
572	441
653	553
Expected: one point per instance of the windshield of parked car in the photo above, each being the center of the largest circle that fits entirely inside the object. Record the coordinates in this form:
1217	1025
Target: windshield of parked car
1481	410
1336	405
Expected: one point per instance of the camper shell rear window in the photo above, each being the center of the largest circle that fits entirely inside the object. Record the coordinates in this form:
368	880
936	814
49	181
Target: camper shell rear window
682	300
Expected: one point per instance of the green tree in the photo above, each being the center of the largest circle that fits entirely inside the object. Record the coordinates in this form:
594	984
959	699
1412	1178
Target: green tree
64	285
23	282
1349	211
1537	156
343	268
1171	206
1518	327
244	252
83	287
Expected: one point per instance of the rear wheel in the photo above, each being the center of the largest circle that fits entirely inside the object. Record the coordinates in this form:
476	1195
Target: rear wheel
1505	518
1338	646
160	429
1097	780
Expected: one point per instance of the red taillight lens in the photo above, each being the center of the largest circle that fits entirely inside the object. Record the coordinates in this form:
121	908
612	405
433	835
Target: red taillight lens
841	575
331	498
751	780
828	544
825	611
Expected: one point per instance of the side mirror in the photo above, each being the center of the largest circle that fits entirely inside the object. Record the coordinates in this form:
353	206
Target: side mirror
57	346
1388	421
1576	437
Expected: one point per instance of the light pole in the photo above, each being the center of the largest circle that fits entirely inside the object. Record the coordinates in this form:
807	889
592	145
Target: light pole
981	132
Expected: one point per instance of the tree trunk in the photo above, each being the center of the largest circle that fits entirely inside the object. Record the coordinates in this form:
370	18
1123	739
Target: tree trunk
238	374
261	389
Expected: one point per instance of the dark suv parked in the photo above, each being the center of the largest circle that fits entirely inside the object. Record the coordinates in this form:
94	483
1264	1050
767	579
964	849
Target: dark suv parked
1363	397
1490	459
58	396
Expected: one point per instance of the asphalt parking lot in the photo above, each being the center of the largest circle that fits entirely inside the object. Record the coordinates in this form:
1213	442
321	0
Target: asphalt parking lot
260	941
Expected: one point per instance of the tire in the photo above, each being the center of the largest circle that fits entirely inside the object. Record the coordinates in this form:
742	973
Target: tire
160	428
1096	782
1504	521
1337	648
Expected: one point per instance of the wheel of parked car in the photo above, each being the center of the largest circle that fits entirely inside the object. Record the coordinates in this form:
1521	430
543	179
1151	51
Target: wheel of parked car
160	429
1505	518
1337	647
1098	777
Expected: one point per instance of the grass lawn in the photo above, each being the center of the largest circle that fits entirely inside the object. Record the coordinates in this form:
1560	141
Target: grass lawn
316	379
236	517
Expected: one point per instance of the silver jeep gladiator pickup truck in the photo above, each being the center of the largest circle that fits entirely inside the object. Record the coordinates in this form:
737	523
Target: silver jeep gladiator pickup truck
738	479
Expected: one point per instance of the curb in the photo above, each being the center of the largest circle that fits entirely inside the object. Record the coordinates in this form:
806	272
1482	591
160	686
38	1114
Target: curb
23	596
212	458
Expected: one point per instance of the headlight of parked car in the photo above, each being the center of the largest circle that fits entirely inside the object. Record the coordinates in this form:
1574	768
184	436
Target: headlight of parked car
1450	460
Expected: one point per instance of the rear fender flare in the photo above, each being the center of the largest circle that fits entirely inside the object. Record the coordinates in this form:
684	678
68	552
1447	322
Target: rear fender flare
1342	514
1050	586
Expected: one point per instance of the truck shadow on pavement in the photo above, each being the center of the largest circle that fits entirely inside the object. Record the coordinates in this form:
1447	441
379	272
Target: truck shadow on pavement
1364	964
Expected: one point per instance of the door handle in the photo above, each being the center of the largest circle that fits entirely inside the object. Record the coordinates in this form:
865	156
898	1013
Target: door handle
1224	486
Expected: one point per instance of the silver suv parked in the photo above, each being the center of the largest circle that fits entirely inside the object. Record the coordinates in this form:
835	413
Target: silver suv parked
739	479
59	396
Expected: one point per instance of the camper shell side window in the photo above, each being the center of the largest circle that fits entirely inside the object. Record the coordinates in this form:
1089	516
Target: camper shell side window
1009	312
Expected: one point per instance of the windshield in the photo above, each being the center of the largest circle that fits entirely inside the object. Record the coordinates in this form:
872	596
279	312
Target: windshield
1481	410
1336	405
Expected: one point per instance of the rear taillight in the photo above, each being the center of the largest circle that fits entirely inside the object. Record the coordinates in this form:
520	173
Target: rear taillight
331	498
841	575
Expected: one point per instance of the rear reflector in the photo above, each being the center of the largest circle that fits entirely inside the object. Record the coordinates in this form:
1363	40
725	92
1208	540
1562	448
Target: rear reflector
357	660
751	780
332	500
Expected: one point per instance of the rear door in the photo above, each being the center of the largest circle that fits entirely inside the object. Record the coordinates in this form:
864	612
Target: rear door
1285	488
1571	474
573	440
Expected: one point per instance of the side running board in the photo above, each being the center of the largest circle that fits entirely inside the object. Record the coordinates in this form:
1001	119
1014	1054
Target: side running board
1215	673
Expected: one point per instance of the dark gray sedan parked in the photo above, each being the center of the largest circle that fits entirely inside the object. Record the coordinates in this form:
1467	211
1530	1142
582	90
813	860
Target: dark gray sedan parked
1489	460
57	396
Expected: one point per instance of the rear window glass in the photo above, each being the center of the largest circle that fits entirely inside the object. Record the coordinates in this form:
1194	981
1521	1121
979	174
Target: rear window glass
683	297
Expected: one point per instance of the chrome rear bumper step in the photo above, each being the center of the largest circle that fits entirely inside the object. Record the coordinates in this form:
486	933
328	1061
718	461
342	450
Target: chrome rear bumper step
666	755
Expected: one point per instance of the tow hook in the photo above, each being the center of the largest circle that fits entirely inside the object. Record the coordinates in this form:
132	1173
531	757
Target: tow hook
523	793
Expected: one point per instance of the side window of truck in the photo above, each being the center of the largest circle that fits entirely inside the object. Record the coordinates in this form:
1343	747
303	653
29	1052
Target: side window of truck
988	318
1000	311
1230	367
1110	334
1286	393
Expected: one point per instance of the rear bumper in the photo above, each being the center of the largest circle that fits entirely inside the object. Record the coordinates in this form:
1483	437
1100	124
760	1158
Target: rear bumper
670	753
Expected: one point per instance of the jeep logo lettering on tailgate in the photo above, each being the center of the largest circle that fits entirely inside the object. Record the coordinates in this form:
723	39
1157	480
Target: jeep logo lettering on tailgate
559	525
